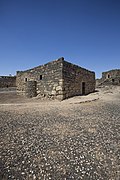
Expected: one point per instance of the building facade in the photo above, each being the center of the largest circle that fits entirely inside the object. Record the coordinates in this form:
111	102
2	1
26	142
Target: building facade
111	77
58	79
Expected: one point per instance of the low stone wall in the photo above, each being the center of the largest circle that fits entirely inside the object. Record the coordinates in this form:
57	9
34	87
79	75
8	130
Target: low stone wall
7	81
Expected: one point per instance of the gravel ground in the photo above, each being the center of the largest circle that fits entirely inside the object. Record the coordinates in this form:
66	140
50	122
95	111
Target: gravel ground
60	141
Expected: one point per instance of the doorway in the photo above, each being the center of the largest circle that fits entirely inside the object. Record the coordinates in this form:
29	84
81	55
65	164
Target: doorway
83	88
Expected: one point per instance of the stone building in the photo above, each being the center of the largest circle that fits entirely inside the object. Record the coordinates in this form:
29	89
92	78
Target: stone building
7	81
58	79
111	77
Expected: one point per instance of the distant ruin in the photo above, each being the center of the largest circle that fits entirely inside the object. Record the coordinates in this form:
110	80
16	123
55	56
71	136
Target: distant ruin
57	79
111	77
7	81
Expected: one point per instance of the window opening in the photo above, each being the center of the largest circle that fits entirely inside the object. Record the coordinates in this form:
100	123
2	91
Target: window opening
40	77
83	88
25	79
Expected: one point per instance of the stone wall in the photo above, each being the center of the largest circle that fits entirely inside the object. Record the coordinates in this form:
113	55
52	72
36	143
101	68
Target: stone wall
74	78
98	82
7	81
57	79
48	78
31	89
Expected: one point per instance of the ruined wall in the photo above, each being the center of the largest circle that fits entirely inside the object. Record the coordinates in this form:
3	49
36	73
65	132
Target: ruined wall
74	77
111	77
7	81
48	78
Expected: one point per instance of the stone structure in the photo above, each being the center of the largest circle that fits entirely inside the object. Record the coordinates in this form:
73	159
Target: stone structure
7	81
58	79
111	77
30	89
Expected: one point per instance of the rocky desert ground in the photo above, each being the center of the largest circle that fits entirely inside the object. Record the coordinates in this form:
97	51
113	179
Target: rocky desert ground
74	139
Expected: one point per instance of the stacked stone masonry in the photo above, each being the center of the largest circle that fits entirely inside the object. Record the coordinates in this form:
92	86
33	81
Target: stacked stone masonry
74	77
7	81
30	89
57	79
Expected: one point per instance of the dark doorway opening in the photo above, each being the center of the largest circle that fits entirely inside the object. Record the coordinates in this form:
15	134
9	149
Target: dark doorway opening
25	79
113	80
40	77
83	88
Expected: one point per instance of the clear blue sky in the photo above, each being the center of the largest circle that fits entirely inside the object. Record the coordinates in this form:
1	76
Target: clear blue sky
34	32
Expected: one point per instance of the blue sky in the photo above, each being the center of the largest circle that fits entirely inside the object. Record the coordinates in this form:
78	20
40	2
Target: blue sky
34	32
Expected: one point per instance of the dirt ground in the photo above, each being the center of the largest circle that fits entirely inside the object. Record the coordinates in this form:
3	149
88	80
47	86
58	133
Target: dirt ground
77	138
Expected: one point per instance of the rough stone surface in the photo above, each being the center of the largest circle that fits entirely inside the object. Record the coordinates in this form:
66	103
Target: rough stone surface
73	77
59	79
30	89
7	81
